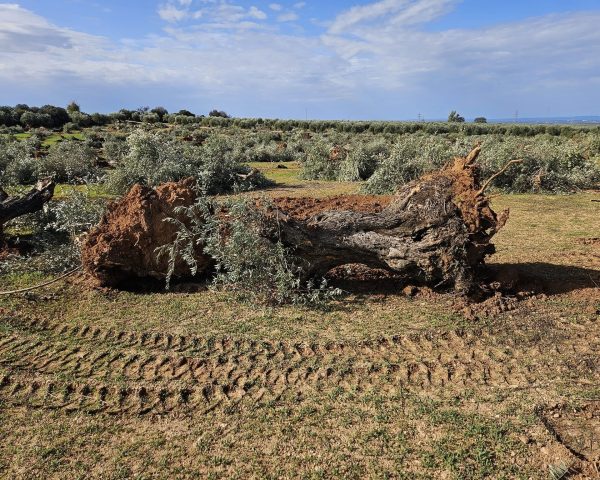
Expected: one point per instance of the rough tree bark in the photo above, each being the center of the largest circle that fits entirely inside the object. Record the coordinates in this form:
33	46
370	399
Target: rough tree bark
32	201
435	231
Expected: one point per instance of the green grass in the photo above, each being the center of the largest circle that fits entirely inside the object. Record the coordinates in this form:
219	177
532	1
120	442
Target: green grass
56	137
289	183
94	190
53	138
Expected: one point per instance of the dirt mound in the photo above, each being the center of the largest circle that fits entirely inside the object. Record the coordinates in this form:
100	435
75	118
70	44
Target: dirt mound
302	208
122	247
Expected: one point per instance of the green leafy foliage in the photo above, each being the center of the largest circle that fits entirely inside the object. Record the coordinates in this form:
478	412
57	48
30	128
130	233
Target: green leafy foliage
550	163
18	165
249	263
68	161
154	158
53	233
412	156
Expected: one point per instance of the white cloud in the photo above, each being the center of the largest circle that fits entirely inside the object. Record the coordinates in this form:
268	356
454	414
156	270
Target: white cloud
287	17
362	56
275	7
256	13
218	13
299	5
171	13
391	12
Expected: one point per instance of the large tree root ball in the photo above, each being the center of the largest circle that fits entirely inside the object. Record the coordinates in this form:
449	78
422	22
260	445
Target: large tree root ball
121	248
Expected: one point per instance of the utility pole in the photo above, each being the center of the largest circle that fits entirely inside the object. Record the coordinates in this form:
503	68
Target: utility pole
516	116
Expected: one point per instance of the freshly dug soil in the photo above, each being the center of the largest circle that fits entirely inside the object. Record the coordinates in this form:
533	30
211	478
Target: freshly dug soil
304	208
122	247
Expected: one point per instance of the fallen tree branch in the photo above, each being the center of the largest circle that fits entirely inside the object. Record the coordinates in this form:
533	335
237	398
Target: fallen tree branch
496	175
32	201
472	156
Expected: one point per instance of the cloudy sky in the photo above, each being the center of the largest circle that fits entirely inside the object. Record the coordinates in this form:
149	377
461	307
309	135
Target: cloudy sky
339	59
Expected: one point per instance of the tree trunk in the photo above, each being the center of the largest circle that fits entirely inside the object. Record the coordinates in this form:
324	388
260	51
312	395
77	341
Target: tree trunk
436	231
32	201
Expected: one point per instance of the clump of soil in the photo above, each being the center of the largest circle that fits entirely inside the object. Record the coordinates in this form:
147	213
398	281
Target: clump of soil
123	244
8	247
302	208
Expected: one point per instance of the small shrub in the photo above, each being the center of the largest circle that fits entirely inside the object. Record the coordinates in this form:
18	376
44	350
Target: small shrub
221	171
18	165
319	164
154	158
69	161
74	215
115	149
362	160
410	158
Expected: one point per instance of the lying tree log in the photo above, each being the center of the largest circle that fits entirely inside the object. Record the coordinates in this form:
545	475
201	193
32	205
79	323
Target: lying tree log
32	201
436	231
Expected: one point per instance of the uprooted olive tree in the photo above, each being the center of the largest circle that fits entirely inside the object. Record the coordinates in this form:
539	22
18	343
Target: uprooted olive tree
436	231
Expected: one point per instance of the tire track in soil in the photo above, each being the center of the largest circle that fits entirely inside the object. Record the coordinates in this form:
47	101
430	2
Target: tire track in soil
93	370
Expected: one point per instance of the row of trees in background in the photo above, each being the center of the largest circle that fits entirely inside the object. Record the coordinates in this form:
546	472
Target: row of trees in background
50	116
14	119
151	156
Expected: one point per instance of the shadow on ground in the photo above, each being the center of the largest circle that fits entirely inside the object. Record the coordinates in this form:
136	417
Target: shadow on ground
543	278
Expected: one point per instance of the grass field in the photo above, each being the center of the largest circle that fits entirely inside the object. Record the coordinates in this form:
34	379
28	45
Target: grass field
53	138
106	384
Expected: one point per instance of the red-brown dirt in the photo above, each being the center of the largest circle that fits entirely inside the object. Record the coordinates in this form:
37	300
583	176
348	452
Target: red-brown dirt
123	245
302	208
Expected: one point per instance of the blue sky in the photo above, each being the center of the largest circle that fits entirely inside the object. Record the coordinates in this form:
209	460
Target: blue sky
383	59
